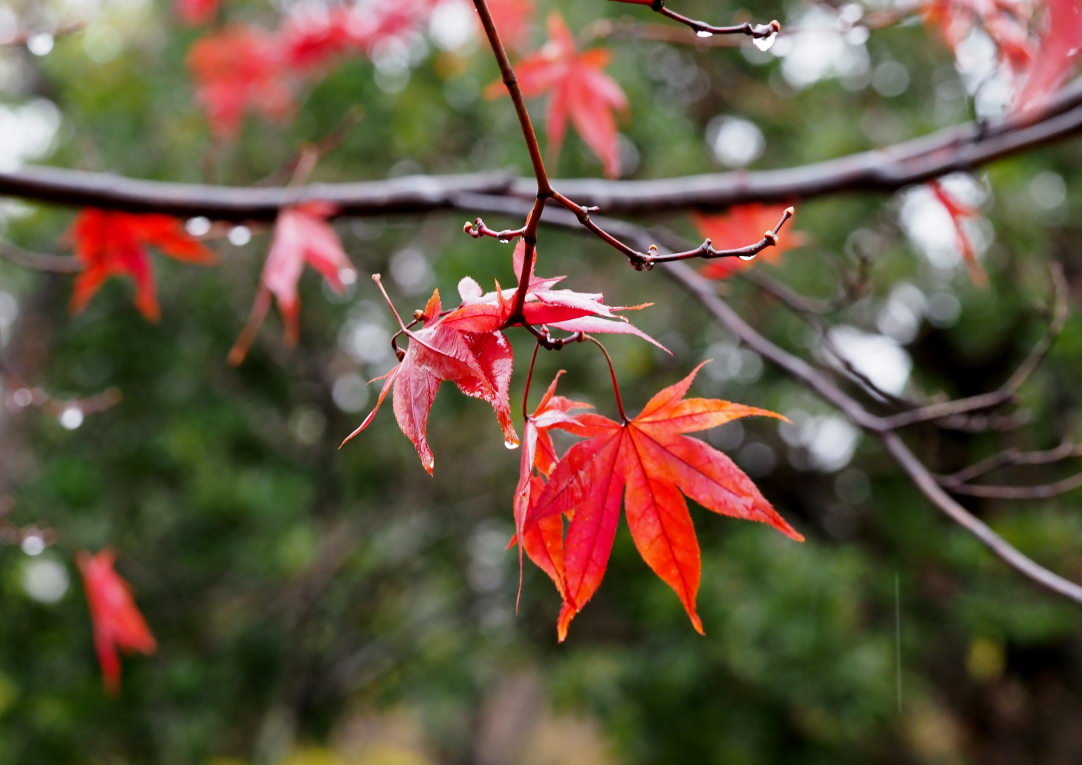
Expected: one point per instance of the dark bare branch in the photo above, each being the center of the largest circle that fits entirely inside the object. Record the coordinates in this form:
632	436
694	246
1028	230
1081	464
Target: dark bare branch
882	170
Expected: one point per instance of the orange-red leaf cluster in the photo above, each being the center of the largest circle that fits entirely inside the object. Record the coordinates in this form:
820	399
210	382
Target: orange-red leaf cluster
116	619
466	346
646	464
114	243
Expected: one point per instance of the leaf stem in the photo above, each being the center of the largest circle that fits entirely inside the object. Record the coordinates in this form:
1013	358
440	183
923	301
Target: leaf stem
529	380
612	376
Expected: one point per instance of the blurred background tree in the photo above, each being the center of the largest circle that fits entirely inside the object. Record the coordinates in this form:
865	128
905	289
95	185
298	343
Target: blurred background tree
317	606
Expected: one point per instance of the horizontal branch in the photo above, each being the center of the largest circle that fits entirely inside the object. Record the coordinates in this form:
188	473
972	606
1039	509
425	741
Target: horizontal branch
961	148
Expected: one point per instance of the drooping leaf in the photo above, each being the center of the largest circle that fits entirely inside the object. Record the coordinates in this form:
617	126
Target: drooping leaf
301	235
239	69
115	617
960	212
740	226
479	363
651	465
114	243
1057	54
580	91
543	541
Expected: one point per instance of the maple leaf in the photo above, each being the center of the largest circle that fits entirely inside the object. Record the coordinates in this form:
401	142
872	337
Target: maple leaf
739	226
542	541
301	235
1006	23
580	90
116	619
1059	47
562	309
513	19
313	34
959	213
114	243
237	69
479	363
649	464
196	12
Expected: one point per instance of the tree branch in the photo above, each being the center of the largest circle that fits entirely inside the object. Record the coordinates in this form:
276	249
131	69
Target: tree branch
953	149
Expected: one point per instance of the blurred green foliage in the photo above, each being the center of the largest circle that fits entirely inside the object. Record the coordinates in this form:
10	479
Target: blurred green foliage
317	606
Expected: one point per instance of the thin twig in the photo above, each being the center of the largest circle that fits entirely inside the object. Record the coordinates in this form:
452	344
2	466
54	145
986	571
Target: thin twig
39	261
701	28
1004	393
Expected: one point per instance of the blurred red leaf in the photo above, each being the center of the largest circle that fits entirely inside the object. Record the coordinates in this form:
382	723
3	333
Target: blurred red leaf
116	619
114	243
301	235
479	363
513	19
652	465
196	12
740	226
581	92
314	34
238	69
1057	51
959	213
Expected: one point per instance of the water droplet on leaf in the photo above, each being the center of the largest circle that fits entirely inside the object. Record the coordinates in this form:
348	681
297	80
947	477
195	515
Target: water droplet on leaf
509	444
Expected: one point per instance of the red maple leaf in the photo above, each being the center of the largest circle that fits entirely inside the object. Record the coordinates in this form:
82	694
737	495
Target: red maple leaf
479	363
236	70
301	235
513	19
743	225
649	464
113	243
561	309
313	34
959	213
116	619
1006	23
1059	47
580	90
542	541
196	12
